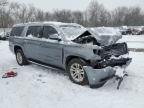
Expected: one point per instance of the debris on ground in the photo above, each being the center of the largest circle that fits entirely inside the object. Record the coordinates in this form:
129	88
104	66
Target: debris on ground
9	74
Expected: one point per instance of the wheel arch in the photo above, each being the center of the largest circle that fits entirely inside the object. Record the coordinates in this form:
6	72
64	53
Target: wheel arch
16	47
69	58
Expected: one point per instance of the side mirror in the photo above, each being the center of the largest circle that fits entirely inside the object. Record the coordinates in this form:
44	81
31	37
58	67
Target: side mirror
55	37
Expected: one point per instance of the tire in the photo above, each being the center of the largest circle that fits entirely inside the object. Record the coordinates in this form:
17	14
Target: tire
21	59
76	72
98	85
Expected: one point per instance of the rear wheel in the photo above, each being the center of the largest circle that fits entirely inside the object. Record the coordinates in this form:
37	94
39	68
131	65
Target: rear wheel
21	59
76	71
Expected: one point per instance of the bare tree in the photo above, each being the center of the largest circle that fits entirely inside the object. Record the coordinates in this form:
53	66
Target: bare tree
134	17
15	12
118	16
22	13
40	15
78	17
98	15
62	16
48	16
127	16
95	15
3	4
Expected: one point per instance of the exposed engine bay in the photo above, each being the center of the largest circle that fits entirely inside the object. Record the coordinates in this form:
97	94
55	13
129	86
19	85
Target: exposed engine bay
86	38
107	52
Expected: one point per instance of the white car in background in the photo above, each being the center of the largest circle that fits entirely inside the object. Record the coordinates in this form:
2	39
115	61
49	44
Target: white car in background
4	35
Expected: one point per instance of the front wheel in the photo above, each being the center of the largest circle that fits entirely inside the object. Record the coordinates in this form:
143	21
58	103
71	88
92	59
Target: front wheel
76	71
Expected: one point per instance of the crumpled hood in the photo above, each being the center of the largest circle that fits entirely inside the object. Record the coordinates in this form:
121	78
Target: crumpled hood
103	39
106	39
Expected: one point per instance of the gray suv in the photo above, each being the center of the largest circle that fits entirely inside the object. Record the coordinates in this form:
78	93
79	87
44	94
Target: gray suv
70	47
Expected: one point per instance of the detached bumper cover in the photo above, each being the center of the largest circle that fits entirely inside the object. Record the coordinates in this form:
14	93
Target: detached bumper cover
100	76
97	76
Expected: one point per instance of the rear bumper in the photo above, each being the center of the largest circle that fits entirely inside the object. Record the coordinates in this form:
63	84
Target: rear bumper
101	76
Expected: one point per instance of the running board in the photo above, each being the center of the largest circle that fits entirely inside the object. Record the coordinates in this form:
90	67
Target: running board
46	66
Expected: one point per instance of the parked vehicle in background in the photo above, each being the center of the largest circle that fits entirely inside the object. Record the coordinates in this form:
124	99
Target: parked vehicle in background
138	30
125	30
70	47
106	35
142	31
4	35
132	30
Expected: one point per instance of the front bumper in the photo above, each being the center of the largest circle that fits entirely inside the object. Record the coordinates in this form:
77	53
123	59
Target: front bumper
97	77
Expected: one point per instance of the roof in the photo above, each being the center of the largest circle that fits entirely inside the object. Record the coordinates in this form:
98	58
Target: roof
41	23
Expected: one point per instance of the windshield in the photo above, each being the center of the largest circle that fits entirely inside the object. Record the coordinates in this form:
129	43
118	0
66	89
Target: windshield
72	32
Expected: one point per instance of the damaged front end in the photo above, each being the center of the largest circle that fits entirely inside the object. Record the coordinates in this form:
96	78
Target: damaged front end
110	61
112	64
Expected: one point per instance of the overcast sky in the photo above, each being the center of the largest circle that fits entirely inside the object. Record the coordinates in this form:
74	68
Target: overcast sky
50	5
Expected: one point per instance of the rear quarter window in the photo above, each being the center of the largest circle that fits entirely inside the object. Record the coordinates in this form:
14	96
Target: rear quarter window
17	31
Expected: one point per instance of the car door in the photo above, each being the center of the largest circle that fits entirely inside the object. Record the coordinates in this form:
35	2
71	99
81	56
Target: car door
32	42
51	50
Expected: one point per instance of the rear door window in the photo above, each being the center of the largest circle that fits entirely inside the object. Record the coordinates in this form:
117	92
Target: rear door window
48	30
17	31
35	31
